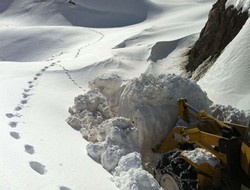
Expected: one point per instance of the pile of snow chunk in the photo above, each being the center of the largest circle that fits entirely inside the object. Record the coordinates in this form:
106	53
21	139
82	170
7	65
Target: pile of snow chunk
116	137
110	85
89	110
129	174
150	102
201	156
230	114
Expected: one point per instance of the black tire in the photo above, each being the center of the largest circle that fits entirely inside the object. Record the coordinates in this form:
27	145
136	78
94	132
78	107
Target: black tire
171	167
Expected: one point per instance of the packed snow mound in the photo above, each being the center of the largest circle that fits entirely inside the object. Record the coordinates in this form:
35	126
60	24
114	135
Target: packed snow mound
232	70
115	138
239	4
201	156
87	13
230	114
151	104
129	174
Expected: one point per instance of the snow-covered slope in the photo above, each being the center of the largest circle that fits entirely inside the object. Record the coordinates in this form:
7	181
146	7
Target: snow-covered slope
227	81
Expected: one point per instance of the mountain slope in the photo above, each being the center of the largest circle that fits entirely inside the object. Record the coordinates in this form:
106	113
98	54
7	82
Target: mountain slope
227	81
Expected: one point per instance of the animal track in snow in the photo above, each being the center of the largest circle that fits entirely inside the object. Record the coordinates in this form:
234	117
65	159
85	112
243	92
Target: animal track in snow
15	135
31	86
29	149
35	78
38	167
66	71
38	74
98	40
13	124
64	188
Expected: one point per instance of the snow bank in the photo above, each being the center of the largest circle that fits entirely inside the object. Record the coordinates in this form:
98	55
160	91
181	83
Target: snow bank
151	104
239	4
147	107
129	174
230	114
201	156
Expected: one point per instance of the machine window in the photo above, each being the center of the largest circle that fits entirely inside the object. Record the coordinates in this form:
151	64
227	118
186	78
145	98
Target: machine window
247	136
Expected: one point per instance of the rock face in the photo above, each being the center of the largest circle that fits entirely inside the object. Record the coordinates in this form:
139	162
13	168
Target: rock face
222	26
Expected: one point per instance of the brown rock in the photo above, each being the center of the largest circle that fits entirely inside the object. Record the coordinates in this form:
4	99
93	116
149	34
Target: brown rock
222	26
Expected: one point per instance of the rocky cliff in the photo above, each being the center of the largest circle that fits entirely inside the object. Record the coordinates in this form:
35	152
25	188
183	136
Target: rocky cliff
222	26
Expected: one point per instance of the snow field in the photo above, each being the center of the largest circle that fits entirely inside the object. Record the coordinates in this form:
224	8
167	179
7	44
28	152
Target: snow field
65	55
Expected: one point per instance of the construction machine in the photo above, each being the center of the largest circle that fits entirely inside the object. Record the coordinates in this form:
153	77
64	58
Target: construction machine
227	143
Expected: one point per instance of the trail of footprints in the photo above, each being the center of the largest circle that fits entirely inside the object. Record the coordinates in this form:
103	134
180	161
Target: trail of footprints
27	92
98	40
69	76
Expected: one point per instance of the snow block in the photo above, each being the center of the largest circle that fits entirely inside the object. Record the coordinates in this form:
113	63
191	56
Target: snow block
151	104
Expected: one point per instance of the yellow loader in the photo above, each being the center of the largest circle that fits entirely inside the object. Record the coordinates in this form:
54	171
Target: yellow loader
227	144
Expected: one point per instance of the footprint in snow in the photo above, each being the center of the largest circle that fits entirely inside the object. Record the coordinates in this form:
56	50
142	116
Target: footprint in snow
25	95
29	149
31	86
9	115
29	82
24	101
38	167
13	124
15	135
26	90
35	78
38	74
64	188
18	108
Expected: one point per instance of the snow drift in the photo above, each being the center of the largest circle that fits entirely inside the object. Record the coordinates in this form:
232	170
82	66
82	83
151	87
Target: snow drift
88	13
